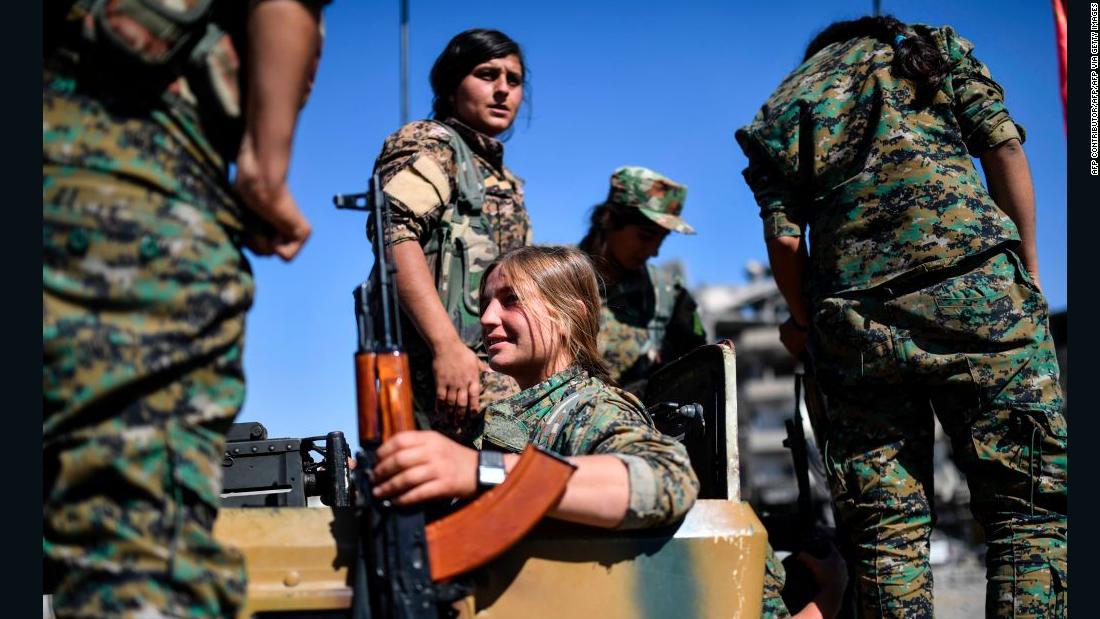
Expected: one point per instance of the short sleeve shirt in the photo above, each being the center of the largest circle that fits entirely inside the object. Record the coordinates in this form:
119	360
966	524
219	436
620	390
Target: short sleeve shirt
417	170
888	186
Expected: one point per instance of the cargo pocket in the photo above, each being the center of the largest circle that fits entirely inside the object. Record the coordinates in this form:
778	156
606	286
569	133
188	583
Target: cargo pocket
965	313
195	457
849	347
1059	585
1043	436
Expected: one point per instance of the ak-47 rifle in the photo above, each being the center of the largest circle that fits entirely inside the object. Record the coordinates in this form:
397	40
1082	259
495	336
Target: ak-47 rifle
404	565
813	537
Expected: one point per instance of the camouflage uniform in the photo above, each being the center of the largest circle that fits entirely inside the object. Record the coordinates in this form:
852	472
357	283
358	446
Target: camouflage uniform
145	290
919	306
575	414
419	176
647	317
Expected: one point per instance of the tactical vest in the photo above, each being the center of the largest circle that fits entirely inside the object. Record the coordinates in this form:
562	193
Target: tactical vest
665	304
461	246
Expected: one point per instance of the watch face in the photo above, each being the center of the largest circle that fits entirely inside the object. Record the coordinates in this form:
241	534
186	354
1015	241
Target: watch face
490	476
490	468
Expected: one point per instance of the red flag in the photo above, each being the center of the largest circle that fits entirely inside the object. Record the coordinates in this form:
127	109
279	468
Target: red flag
1060	32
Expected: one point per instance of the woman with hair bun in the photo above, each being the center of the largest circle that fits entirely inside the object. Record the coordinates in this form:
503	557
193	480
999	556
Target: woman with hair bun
919	295
452	196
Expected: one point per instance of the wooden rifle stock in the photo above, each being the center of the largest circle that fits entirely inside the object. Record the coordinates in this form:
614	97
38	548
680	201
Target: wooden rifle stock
401	563
395	393
481	531
366	396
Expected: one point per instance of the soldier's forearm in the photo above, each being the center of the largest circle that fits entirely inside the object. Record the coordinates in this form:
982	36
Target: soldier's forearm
282	46
419	298
598	493
788	261
1009	179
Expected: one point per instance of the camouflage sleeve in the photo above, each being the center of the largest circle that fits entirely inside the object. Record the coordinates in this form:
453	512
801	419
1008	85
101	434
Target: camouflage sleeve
978	100
774	196
417	171
662	484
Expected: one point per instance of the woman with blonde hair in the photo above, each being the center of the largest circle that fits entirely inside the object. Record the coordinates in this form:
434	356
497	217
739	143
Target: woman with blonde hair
540	320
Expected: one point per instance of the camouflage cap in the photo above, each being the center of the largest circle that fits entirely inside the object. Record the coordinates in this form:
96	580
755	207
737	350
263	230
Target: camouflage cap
656	196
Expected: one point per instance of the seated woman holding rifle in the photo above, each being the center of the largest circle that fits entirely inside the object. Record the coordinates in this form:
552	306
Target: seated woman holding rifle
540	319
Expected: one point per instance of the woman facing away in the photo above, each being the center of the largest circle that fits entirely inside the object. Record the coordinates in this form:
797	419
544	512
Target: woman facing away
919	295
455	207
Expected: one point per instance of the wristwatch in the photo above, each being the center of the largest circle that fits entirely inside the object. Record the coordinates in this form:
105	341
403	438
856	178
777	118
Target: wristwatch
490	469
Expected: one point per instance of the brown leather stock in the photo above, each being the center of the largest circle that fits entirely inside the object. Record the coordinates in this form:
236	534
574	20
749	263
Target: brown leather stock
496	520
366	396
395	391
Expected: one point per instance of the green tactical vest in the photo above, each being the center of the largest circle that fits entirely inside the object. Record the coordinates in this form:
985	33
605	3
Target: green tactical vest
461	247
665	305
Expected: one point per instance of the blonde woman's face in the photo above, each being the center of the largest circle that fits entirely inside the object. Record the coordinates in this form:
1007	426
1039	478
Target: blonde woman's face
518	343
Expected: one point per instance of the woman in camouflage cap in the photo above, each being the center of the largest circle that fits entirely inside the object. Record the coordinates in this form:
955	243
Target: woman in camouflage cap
648	317
451	194
540	325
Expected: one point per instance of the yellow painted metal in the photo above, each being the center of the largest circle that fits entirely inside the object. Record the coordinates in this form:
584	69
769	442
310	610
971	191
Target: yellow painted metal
297	557
711	565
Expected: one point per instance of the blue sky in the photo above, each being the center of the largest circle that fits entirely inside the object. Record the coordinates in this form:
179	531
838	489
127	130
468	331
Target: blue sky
662	85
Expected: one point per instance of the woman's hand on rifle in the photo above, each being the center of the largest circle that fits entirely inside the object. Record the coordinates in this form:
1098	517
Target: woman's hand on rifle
420	466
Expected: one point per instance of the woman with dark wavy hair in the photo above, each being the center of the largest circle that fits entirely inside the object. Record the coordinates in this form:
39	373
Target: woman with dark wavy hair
453	198
919	295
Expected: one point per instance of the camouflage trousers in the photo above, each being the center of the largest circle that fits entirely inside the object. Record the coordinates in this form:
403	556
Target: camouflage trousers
773	606
972	347
144	297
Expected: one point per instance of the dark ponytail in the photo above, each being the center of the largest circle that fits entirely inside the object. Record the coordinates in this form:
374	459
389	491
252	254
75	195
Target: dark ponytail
916	56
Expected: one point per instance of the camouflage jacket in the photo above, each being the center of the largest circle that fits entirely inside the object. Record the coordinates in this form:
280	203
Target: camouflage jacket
460	234
647	319
890	187
417	168
575	414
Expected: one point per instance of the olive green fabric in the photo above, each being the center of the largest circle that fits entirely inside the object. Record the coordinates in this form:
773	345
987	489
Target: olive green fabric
975	350
657	197
647	319
575	414
890	186
144	297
